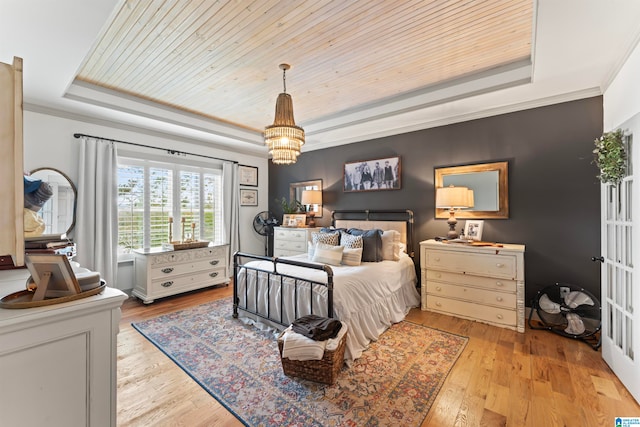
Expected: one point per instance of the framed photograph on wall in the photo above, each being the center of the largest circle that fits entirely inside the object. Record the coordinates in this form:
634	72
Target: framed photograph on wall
248	175
473	229
372	175
248	197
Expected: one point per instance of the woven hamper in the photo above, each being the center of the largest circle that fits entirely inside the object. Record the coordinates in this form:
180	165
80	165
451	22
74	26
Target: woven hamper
325	370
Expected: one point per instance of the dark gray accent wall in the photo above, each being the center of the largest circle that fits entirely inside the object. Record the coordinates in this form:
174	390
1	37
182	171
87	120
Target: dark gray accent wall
554	195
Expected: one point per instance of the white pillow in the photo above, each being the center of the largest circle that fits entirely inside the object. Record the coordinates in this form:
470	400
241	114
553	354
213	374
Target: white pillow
351	256
327	254
391	245
311	248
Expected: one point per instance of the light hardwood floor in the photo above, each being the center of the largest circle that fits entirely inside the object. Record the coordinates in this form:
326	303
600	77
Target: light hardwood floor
503	378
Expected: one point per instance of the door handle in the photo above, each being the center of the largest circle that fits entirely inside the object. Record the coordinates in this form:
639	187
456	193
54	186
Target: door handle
597	258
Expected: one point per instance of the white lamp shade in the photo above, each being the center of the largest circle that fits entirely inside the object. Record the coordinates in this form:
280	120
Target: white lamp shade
311	197
470	201
453	197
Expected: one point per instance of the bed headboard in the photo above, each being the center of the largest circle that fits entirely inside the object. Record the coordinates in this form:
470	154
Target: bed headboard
399	220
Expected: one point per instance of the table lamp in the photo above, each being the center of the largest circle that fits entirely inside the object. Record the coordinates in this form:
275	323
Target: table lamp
311	197
453	198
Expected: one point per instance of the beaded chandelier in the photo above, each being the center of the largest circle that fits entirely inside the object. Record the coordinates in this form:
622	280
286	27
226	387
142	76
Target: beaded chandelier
283	138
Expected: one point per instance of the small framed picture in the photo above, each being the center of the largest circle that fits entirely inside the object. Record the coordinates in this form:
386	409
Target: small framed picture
473	229
248	197
294	220
248	175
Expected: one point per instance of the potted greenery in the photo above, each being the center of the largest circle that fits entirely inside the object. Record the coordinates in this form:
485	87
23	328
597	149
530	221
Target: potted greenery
610	157
290	207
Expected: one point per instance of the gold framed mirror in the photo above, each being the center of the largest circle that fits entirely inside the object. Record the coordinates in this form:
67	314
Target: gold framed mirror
296	189
489	182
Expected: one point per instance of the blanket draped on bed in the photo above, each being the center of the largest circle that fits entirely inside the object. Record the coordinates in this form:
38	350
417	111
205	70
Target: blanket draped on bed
368	298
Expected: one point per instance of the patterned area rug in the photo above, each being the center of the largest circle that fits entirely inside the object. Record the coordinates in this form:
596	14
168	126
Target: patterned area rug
394	382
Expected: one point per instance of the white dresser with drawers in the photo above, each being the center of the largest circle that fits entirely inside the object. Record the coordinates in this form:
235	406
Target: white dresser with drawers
482	283
291	241
161	273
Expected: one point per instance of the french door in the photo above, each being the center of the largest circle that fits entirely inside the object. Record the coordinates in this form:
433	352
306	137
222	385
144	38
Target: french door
620	283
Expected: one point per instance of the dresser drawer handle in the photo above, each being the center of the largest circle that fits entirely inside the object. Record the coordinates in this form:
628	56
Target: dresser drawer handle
166	284
214	262
438	304
499	299
437	258
438	288
214	274
499	265
499	284
167	270
438	275
499	316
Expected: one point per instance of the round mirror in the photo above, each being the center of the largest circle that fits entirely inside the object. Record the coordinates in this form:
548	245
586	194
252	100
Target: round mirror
59	212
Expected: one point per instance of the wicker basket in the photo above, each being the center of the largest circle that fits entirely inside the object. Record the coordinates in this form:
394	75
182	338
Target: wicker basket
325	370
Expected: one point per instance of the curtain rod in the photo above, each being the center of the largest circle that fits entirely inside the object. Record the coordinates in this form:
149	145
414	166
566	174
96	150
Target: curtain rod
176	152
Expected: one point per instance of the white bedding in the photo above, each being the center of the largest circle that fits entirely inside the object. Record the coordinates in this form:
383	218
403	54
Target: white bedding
368	298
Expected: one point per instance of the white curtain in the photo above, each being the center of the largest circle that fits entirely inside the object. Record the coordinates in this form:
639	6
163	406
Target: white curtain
231	206
96	232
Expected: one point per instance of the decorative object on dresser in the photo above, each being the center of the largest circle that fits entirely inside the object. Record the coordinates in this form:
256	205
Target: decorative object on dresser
473	229
291	241
453	198
161	273
483	283
53	281
188	240
489	182
294	220
311	199
372	175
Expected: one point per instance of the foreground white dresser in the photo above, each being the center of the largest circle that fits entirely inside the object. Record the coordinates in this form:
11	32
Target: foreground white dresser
291	241
58	363
482	283
162	273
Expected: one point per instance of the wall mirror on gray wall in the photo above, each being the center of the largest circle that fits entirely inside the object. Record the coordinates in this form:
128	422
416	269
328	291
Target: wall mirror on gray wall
489	182
296	189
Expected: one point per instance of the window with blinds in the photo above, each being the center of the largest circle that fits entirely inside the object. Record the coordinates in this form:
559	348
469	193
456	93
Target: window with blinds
159	200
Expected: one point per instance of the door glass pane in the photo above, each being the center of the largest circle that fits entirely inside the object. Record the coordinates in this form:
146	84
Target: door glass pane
618	327
609	281
609	330
629	338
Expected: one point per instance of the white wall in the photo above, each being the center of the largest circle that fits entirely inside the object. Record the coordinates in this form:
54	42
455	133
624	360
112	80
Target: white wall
49	142
622	97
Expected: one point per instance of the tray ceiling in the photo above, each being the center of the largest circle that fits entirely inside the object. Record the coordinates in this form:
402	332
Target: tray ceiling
220	59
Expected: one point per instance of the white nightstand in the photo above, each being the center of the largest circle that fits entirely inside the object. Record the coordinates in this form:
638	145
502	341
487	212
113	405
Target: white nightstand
291	241
483	283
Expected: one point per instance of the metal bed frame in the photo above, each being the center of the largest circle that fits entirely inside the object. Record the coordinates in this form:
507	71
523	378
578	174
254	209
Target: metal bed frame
240	258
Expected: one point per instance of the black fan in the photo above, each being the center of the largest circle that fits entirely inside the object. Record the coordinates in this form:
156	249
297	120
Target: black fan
263	224
570	311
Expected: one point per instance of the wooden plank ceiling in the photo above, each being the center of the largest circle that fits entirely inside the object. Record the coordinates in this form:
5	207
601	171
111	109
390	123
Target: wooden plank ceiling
220	58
